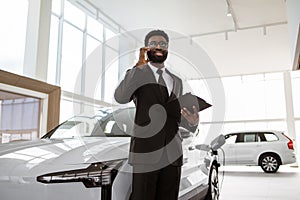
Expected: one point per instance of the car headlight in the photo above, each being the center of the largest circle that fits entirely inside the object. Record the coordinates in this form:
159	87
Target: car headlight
95	175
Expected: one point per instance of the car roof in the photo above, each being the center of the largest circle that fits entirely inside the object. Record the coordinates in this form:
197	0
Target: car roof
255	131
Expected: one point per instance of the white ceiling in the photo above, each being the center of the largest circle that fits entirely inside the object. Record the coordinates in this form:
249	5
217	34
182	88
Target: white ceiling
247	48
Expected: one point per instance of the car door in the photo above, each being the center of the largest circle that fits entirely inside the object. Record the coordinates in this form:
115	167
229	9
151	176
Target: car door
246	149
267	142
229	150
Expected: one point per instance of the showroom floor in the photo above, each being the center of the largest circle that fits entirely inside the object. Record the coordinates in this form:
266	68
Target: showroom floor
251	183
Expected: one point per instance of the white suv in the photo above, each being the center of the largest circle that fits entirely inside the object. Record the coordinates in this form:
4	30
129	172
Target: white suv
268	149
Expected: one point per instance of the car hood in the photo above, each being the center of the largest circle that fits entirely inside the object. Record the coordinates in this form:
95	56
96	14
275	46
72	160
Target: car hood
44	156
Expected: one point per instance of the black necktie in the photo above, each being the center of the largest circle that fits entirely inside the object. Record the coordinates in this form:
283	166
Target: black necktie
162	85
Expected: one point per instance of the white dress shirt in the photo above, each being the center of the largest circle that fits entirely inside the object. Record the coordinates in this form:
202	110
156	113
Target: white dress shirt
167	78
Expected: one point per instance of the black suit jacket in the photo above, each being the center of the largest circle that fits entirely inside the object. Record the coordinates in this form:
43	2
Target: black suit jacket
156	121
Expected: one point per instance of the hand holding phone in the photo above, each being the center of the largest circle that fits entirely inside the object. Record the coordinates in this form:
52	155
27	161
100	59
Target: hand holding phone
142	59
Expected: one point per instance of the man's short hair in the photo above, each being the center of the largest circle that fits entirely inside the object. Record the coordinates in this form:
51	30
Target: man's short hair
154	33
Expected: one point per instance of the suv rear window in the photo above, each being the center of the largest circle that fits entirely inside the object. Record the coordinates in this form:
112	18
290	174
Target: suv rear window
267	137
270	137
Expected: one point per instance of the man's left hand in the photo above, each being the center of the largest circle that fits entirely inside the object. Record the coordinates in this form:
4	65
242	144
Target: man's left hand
192	118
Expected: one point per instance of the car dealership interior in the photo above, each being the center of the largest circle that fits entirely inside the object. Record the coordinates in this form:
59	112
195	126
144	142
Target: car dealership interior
63	58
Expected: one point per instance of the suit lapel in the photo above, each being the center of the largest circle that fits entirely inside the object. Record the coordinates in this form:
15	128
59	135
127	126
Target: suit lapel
176	90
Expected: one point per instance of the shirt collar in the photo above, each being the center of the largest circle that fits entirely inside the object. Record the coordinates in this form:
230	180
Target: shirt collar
154	69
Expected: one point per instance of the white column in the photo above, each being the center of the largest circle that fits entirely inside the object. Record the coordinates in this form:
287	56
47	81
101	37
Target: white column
37	39
290	119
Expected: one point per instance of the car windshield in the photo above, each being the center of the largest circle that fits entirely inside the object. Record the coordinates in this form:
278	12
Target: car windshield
106	122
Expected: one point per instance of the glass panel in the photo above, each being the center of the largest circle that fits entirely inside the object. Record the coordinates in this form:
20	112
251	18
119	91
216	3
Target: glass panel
231	139
252	78
93	47
21	121
90	108
95	28
253	97
234	98
71	59
111	74
93	69
13	20
249	138
200	88
233	127
270	137
109	34
30	113
56	7
274	76
68	109
74	15
51	75
255	126
113	41
208	132
275	99
280	126
295	74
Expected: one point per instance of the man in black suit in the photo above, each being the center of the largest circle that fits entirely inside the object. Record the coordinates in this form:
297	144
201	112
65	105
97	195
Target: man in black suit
155	148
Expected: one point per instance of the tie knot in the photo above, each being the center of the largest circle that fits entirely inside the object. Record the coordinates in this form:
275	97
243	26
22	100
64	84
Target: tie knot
159	71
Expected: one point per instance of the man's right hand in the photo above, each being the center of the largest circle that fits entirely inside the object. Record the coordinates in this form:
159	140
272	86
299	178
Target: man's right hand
142	60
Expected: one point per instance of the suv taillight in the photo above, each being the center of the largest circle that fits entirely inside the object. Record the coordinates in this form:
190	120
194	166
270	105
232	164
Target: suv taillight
290	143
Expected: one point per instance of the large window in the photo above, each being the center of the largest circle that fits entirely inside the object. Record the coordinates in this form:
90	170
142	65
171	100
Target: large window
252	102
248	97
254	97
20	119
82	56
13	20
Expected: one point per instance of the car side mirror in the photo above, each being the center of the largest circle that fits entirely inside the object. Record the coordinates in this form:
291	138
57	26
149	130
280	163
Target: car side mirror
217	142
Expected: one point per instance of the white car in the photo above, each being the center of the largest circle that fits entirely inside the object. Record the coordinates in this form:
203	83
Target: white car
268	149
86	158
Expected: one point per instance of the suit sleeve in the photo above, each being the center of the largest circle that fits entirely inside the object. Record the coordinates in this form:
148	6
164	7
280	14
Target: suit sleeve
124	93
184	123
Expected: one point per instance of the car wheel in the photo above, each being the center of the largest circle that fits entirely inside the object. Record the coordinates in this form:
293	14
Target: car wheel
213	190
270	163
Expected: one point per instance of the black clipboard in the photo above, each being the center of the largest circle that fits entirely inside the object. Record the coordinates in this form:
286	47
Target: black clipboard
189	100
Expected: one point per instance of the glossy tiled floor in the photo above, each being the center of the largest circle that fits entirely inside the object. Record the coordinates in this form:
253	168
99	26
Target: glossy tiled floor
251	183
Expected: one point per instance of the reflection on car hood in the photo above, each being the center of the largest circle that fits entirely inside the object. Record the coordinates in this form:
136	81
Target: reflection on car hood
42	156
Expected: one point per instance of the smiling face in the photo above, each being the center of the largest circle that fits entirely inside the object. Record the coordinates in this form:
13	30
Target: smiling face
158	49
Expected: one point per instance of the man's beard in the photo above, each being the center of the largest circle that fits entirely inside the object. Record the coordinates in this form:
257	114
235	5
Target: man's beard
157	59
